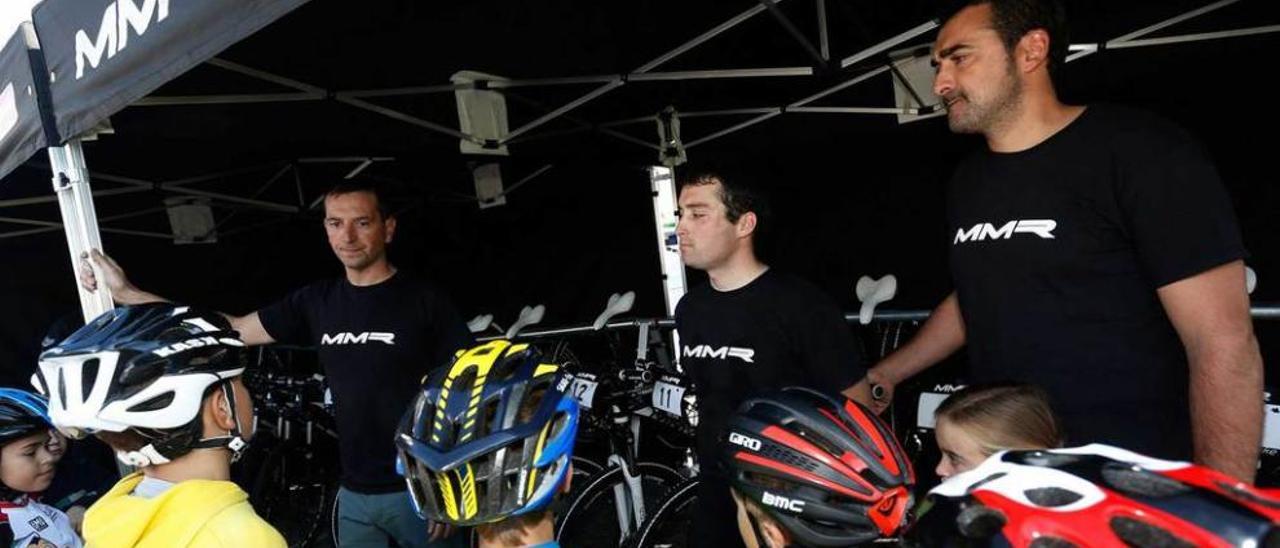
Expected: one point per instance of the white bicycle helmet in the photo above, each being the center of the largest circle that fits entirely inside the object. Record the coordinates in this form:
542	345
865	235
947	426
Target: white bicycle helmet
145	368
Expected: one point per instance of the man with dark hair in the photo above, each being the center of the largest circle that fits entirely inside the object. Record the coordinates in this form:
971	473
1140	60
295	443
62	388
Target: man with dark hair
1095	253
751	329
351	186
1013	19
378	331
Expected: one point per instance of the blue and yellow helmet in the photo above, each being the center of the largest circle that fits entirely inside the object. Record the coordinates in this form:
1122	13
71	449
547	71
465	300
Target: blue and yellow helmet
488	437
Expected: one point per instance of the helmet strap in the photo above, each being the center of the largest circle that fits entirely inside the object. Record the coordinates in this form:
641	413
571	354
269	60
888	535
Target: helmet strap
234	440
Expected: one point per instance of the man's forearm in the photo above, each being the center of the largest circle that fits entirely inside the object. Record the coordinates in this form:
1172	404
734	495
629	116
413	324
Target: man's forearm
1226	407
133	295
940	336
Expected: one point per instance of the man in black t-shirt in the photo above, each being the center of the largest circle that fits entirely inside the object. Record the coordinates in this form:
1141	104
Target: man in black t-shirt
1094	252
378	331
749	330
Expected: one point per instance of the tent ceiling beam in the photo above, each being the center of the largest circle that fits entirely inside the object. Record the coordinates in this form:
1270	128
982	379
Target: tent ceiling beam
1198	37
250	98
770	113
18	202
1090	49
888	44
769	72
397	115
655	63
55	225
276	177
175	183
791	29
583	126
178	100
1174	20
264	75
823	42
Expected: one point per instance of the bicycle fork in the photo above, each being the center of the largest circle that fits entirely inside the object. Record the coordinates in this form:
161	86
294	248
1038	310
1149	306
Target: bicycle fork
628	496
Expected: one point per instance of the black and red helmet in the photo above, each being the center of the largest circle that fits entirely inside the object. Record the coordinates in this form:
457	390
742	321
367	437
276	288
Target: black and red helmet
1095	495
827	469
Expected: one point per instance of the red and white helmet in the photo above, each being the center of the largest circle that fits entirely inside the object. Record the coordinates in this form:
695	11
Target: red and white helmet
1096	495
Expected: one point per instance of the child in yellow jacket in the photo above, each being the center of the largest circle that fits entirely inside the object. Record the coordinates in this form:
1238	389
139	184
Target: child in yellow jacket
161	385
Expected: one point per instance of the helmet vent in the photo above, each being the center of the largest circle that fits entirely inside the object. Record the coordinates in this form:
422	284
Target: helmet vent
1145	535
154	404
980	522
504	370
1135	481
1051	542
1051	497
1043	458
813	437
88	375
788	456
488	417
174	334
62	384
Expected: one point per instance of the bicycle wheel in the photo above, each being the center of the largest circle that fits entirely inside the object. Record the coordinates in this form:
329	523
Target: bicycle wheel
262	489
291	493
584	470
669	524
592	517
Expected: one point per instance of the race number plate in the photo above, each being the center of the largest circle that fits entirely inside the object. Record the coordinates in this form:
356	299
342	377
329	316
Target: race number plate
668	398
584	390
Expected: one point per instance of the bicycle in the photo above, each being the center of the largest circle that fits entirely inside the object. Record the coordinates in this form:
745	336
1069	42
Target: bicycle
295	486
670	521
627	487
611	505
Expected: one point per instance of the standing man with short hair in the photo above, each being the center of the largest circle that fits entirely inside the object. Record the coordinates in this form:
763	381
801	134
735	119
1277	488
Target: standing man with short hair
1094	253
749	330
377	331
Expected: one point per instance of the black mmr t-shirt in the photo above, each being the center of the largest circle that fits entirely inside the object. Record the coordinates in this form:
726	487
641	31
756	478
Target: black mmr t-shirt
774	332
1057	253
375	343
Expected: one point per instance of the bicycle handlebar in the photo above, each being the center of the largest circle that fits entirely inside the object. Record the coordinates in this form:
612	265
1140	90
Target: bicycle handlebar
635	375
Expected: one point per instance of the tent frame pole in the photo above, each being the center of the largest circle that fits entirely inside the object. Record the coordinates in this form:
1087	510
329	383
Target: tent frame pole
79	219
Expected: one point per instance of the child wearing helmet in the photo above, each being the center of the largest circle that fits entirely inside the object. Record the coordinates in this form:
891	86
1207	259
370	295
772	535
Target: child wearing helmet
808	469
978	421
160	384
28	457
488	443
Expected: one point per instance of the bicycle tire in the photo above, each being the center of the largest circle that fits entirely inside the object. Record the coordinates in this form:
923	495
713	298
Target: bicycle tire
584	470
591	519
665	526
263	480
284	497
583	466
325	490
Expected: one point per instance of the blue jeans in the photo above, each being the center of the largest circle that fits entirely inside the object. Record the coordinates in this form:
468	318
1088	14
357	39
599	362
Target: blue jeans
373	521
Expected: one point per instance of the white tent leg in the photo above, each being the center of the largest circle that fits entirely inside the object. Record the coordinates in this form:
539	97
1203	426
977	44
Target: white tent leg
71	184
662	181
